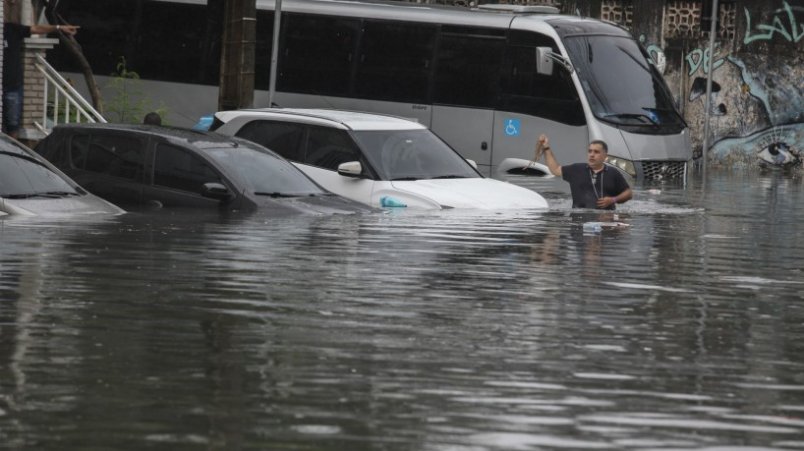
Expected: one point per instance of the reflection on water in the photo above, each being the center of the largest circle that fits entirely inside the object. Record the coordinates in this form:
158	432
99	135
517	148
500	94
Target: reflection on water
413	330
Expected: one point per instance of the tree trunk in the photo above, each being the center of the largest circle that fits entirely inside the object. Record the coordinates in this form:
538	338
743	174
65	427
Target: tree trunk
75	49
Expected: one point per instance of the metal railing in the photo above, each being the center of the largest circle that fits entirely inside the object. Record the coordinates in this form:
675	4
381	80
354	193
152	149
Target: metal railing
62	103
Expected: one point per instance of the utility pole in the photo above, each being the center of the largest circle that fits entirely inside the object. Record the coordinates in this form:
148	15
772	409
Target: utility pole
708	102
238	54
274	52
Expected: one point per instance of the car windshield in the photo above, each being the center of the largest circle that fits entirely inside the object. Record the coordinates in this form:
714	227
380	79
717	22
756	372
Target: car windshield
623	88
22	176
412	155
264	172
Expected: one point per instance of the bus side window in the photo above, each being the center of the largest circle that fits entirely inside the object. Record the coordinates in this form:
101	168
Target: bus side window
283	138
317	54
468	64
262	60
524	90
101	24
395	62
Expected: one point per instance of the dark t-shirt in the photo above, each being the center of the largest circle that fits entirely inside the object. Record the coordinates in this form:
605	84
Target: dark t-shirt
14	35
585	195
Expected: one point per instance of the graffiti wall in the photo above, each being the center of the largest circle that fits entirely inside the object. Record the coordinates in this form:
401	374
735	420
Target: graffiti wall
756	113
757	98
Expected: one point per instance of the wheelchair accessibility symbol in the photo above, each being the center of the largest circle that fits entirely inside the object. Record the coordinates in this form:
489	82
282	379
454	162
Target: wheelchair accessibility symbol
512	127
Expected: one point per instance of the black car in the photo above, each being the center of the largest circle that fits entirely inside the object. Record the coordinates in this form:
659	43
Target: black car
171	167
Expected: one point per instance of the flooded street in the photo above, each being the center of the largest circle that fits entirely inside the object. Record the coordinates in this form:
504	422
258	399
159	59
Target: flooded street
450	330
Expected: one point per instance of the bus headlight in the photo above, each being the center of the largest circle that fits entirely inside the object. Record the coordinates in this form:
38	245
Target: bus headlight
624	165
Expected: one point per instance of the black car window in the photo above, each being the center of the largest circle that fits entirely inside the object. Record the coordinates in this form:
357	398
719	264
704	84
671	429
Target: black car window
283	138
179	169
329	147
117	155
79	149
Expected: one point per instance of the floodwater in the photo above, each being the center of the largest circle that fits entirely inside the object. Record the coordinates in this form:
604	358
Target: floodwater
453	330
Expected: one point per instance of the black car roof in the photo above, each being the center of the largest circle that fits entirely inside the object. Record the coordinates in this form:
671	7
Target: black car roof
194	137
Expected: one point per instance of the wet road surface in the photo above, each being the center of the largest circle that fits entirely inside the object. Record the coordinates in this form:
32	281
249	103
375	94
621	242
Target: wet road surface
452	330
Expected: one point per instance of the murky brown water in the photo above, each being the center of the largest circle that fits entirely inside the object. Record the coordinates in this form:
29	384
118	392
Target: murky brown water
413	331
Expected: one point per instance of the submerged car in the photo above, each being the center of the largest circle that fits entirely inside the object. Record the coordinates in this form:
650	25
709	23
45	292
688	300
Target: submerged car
170	167
29	185
378	160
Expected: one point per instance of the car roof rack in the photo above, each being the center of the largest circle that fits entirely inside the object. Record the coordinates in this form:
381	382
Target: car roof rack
519	9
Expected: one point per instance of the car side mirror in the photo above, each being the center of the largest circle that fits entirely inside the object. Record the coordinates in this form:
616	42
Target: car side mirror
350	169
216	190
472	163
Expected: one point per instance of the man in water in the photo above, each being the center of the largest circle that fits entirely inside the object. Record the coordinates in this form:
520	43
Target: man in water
593	184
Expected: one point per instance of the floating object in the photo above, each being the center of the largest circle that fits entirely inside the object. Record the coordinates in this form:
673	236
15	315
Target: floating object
390	202
597	227
204	123
521	166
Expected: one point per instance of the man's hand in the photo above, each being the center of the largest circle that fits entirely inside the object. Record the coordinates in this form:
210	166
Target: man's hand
606	202
540	146
69	29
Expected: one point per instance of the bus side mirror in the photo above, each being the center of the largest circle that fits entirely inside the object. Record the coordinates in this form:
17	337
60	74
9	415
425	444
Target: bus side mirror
544	63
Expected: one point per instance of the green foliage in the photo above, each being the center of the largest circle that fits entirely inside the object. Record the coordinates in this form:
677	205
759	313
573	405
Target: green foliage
129	103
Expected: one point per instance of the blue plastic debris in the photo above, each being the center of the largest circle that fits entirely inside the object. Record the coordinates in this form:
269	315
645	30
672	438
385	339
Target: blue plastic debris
388	201
204	123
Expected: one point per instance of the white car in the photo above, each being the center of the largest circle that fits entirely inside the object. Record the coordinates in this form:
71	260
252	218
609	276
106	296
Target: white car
382	161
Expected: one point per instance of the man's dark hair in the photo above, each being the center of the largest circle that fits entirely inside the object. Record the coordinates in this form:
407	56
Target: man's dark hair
602	144
152	118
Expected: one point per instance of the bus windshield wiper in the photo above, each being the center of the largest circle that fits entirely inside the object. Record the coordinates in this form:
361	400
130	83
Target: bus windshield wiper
450	177
402	179
639	116
671	110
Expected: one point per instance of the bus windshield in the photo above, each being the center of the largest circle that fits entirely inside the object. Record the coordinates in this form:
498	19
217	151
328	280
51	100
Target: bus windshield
622	87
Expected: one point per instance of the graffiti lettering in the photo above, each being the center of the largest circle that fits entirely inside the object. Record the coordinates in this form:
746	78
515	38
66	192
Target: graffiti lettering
790	31
655	54
698	58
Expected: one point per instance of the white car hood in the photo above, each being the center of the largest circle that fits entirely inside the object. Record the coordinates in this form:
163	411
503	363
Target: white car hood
472	193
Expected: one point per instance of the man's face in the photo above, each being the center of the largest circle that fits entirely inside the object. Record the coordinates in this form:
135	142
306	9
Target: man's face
596	156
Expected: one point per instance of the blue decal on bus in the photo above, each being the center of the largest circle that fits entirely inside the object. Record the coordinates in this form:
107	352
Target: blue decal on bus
512	127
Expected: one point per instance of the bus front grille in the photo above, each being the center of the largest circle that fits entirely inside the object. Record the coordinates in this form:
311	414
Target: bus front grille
663	170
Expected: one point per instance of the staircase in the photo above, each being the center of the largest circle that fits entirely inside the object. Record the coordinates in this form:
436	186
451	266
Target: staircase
62	103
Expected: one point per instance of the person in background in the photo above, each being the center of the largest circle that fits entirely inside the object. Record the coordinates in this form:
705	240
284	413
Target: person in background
14	35
152	118
593	184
